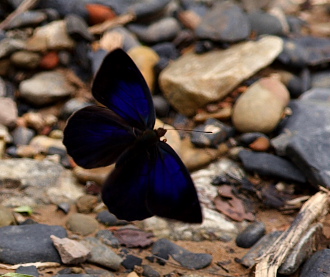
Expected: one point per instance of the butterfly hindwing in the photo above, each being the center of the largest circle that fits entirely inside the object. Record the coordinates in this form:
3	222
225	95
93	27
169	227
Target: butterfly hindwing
120	86
95	137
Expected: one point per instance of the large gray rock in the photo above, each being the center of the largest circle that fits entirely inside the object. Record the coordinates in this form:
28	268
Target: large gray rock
195	80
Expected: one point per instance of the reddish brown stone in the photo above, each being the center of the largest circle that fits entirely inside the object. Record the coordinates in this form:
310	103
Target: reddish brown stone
50	60
99	13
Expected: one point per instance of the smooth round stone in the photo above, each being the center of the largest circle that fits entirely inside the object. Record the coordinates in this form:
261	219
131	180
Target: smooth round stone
22	135
129	40
261	107
143	9
251	234
317	265
8	112
64	7
27	18
166	50
148	271
164	29
319	94
109	219
98	13
77	28
82	224
264	23
220	23
10	45
72	106
25	59
162	106
6	217
145	58
86	203
321	79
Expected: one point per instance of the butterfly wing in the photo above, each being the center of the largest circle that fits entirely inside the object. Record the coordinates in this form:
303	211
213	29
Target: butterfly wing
153	182
120	86
95	137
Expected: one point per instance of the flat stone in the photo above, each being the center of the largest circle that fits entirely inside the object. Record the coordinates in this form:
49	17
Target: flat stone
317	265
194	80
29	243
25	59
82	224
9	46
8	112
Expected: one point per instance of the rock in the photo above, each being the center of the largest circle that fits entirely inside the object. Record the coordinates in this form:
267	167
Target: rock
27	18
109	219
126	38
263	23
98	13
8	112
130	261
145	58
260	248
45	143
320	94
25	59
29	243
146	8
164	248
251	234
302	250
86	203
108	238
28	270
45	88
77	28
22	135
194	80
320	79
271	165
148	271
162	30
317	265
6	217
82	224
308	150
64	7
52	36
101	254
261	107
220	23
9	46
162	107
50	60
71	251
72	106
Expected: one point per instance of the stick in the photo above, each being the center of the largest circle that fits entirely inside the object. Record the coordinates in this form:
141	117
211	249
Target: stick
37	264
24	6
315	207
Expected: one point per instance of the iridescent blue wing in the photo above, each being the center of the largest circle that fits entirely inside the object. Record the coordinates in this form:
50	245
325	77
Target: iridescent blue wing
95	137
120	86
152	183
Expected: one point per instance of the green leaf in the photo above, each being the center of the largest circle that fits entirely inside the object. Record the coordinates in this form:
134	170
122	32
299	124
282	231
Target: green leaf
24	209
13	274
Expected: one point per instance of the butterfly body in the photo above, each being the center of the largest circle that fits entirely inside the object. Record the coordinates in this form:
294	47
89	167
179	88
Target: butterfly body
149	177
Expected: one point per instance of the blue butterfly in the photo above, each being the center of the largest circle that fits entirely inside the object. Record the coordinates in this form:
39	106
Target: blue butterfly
149	178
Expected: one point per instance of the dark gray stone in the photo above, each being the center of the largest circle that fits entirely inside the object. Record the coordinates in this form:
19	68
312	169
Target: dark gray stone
251	234
22	135
27	18
317	265
148	271
28	270
131	261
164	248
264	23
77	28
321	79
271	165
108	238
318	94
29	243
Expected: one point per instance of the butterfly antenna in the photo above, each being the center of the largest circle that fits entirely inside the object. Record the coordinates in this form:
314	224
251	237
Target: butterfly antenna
190	130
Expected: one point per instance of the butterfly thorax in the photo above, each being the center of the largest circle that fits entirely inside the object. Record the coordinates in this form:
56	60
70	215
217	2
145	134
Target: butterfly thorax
149	137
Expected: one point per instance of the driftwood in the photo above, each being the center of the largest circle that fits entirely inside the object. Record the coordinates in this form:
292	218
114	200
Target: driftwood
310	212
37	264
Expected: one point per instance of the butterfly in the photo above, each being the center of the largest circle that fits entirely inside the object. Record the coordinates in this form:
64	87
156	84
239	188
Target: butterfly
149	177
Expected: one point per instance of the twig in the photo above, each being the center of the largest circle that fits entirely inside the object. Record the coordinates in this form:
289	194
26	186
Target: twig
24	6
37	264
278	252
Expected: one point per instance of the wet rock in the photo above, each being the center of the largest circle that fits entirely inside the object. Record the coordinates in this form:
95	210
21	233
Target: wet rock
101	254
52	36
130	261
45	88
71	251
317	265
29	243
261	107
77	28
25	59
9	46
302	250
86	203
220	23
82	224
108	238
308	150
28	270
26	19
22	135
6	217
145	58
162	30
265	23
8	112
164	248
219	133
260	248
251	234
271	165
194	80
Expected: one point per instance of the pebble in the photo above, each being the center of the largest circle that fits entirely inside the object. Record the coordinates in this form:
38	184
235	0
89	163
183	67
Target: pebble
108	238
77	28
25	59
45	88
148	271
8	112
130	261
263	23
28	270
220	23
72	106
164	248
29	243
71	251
98	13
9	46
27	19
86	203
82	224
101	254
317	265
50	60
6	217
270	165
260	108
251	234
194	80
109	219
22	135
